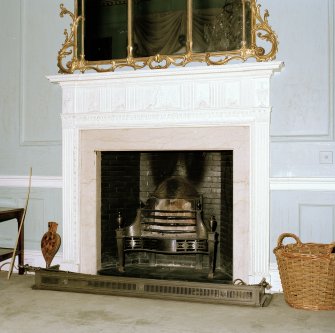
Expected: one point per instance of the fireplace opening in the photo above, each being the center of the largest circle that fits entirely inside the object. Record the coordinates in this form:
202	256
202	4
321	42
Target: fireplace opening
128	181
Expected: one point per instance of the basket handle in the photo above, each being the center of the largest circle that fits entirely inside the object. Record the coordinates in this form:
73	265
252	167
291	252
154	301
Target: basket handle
284	235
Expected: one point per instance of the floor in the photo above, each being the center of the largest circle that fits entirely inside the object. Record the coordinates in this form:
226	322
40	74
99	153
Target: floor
26	310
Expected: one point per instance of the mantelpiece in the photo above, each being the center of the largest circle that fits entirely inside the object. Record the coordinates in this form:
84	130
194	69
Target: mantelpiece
180	108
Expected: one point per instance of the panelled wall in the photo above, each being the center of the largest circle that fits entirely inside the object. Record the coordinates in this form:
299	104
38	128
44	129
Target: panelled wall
30	126
302	123
302	128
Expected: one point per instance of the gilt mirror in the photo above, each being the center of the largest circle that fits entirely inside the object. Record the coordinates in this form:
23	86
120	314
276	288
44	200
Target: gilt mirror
109	34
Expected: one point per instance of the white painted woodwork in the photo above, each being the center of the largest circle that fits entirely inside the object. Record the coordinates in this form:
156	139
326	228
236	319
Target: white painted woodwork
224	107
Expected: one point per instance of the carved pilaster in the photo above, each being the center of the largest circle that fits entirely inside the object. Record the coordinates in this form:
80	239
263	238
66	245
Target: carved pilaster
260	203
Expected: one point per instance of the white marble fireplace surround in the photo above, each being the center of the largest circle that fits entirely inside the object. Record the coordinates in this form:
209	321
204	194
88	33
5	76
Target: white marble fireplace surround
195	108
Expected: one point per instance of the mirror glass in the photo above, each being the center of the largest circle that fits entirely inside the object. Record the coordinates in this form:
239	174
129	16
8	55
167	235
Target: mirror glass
106	32
159	27
218	25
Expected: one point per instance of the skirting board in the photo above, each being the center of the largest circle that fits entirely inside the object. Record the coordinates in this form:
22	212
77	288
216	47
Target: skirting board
32	258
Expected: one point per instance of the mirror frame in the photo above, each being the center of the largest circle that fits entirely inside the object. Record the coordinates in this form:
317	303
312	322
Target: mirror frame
70	59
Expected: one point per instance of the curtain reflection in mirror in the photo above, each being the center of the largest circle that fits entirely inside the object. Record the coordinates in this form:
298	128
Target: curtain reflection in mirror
160	27
217	25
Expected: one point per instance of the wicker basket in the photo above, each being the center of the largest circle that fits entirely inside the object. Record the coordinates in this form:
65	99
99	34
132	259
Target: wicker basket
307	273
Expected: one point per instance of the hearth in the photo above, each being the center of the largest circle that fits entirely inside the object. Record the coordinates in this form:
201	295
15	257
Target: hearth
158	195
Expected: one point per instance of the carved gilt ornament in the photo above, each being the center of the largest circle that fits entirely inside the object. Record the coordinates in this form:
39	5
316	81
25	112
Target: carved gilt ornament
236	30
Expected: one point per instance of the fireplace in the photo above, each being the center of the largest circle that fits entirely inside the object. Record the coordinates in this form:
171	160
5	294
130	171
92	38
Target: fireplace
167	193
212	109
